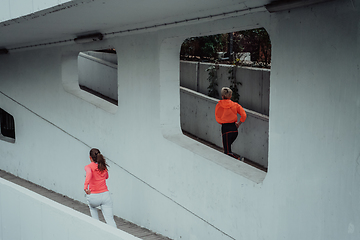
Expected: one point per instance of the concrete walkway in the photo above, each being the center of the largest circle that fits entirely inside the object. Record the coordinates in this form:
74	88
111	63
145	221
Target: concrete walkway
122	224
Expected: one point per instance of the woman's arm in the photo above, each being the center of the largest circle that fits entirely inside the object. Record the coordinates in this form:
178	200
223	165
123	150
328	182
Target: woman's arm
87	179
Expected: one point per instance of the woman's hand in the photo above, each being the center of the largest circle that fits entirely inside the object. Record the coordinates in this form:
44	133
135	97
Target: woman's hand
237	124
87	191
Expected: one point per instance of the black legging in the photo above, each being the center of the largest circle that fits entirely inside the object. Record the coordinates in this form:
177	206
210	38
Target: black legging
229	134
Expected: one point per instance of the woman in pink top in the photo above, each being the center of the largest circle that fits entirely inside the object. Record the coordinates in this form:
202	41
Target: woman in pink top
97	193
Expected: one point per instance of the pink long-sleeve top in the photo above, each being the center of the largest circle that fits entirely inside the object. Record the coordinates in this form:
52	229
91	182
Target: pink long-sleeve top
95	180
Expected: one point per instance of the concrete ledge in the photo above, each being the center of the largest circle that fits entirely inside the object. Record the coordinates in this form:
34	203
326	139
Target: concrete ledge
98	60
7	139
238	167
28	215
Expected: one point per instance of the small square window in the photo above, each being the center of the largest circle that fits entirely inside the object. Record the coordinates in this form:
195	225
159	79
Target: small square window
92	76
7	125
98	74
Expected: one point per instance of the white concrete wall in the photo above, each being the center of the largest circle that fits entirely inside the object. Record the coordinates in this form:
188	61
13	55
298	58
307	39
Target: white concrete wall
254	89
27	215
178	187
196	110
197	117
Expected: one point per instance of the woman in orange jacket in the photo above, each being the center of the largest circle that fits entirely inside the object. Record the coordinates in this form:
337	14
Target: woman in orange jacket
226	113
97	193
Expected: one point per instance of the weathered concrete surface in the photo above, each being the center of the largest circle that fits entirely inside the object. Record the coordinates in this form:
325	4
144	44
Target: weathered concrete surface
314	134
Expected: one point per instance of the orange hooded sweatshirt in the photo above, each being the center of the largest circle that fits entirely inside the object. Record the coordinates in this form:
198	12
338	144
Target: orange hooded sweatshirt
226	112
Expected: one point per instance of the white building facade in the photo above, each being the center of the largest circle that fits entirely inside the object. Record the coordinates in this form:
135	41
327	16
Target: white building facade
159	178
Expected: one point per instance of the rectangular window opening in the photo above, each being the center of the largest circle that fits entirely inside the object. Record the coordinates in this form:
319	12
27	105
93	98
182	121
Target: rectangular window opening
7	124
98	74
239	60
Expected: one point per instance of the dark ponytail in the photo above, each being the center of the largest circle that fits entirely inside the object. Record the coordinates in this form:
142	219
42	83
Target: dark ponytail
98	158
